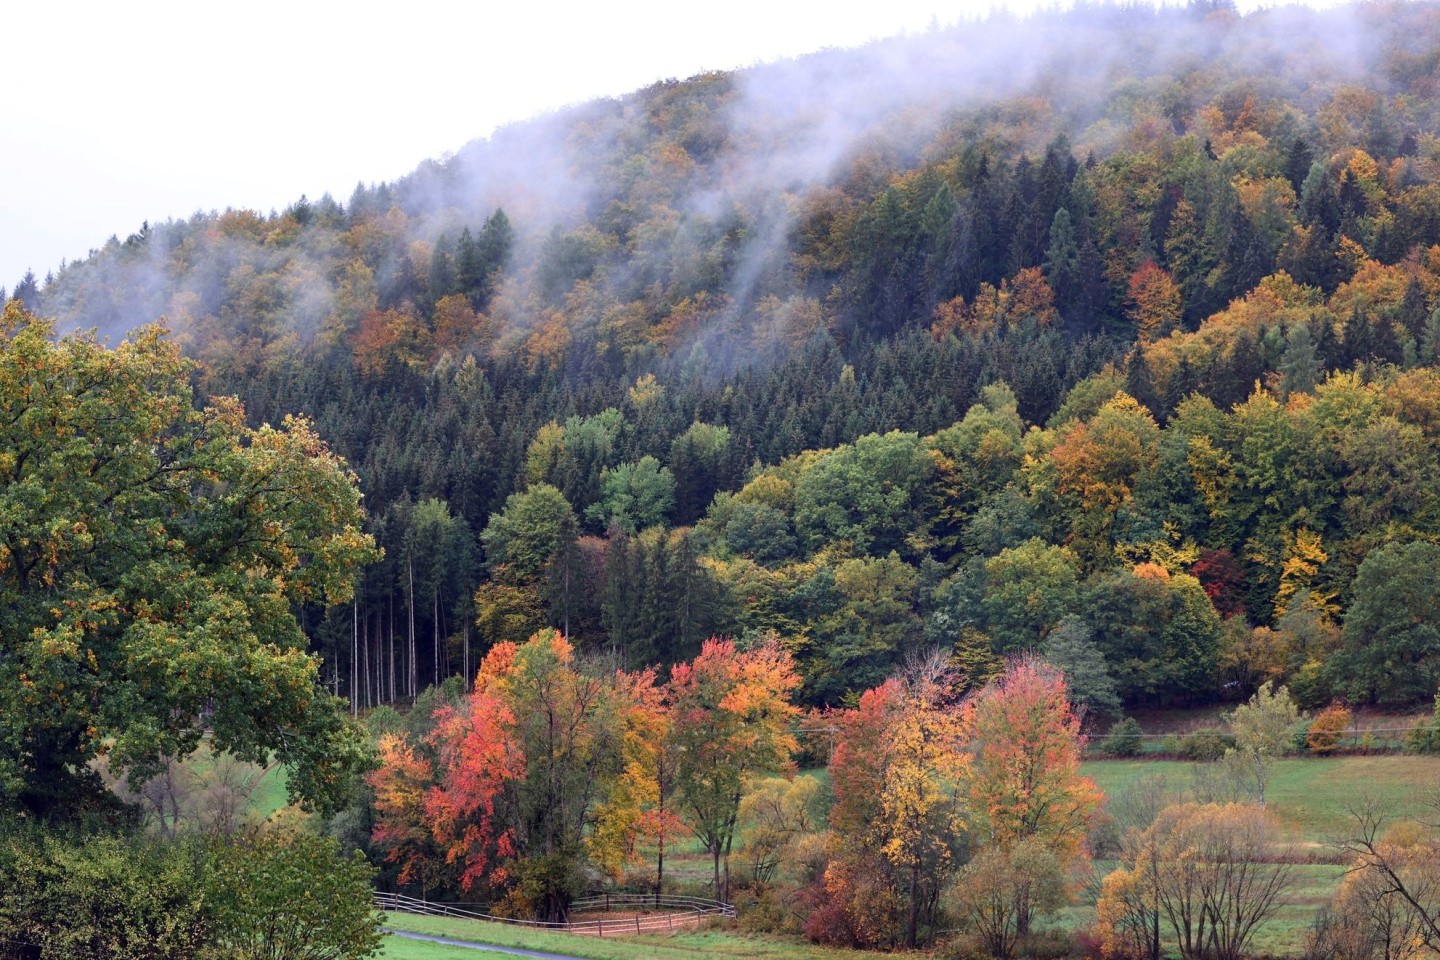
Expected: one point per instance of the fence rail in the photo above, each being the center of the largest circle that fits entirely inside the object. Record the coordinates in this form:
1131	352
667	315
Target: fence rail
678	913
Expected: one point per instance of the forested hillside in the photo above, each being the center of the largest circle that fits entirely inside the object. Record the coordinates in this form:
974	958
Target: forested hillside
1110	333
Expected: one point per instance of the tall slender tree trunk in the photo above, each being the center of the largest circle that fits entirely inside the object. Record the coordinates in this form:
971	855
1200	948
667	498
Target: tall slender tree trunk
391	606
365	665
660	857
913	923
410	569
379	660
354	656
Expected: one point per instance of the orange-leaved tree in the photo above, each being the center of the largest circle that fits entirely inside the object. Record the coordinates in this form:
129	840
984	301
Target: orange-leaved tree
732	719
640	804
439	809
477	760
899	816
1024	781
511	778
402	776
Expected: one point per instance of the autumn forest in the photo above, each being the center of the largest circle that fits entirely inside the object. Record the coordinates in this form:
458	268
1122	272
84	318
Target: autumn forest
796	472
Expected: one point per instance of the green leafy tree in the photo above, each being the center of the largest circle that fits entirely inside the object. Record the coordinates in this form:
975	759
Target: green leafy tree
1390	644
101	896
1071	649
1264	730
1028	590
1159	633
634	496
525	536
287	895
869	493
151	557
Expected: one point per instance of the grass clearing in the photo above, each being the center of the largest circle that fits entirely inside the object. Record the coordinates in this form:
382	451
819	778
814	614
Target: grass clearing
1309	795
714	942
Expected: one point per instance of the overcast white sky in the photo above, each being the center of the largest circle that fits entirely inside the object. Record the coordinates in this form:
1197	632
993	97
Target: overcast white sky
116	113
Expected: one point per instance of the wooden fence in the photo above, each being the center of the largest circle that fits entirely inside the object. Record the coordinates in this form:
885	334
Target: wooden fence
671	913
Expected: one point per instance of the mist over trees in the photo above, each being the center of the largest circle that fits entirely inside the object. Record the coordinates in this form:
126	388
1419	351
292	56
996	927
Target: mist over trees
950	388
861	352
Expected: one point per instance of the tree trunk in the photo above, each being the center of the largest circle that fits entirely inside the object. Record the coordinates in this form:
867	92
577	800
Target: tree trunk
354	657
914	906
410	570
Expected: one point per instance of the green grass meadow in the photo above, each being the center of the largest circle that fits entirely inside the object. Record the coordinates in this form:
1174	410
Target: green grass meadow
715	942
1308	795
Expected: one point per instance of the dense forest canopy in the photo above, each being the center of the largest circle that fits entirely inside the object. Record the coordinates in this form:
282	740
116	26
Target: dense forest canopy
1108	329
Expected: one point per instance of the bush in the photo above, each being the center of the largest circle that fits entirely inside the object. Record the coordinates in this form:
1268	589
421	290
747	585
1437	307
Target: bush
768	910
1426	737
290	894
1124	738
102	896
1047	945
1204	745
1327	729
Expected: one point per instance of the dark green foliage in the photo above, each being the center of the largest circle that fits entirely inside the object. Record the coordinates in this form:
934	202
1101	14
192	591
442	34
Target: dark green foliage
1391	649
1123	739
1071	649
1203	746
104	896
760	532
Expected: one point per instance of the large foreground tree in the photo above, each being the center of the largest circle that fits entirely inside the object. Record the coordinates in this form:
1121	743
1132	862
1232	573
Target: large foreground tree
152	558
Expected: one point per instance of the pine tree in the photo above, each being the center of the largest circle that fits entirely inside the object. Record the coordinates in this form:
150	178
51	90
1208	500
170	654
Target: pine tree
1430	345
1139	381
1359	337
1300	366
1413	312
27	291
442	271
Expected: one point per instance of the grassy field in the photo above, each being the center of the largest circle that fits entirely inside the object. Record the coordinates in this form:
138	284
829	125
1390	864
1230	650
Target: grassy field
676	946
1308	795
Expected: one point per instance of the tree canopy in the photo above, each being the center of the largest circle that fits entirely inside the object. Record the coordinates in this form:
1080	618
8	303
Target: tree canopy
152	555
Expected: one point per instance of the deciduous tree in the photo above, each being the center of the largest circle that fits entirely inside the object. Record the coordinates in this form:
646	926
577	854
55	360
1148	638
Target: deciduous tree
732	713
151	555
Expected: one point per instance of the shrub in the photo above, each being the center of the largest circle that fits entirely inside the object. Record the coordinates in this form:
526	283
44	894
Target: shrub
1047	945
1426	737
1204	745
102	896
1328	728
1124	738
290	894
